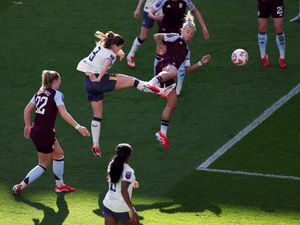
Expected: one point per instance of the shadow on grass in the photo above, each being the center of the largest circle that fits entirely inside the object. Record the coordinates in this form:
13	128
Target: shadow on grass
202	191
50	216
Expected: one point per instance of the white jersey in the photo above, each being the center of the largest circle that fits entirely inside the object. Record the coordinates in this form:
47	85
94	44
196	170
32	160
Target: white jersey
113	198
95	61
149	5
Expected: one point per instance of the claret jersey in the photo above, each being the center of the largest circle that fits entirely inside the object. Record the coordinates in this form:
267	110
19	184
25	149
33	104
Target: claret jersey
177	50
46	102
174	13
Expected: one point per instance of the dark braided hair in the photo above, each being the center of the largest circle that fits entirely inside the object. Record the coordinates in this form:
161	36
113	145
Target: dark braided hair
110	38
123	150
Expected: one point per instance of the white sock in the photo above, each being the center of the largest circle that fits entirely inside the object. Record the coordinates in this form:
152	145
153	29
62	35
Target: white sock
164	127
33	174
262	43
135	45
58	170
280	40
179	86
95	128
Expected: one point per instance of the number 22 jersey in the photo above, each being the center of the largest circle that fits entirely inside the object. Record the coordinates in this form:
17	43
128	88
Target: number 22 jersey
46	102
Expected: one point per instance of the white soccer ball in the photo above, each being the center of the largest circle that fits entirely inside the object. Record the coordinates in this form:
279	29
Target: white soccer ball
239	57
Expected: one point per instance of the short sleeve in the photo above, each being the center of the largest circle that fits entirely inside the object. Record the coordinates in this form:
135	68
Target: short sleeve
128	175
59	98
189	4
158	5
171	37
33	100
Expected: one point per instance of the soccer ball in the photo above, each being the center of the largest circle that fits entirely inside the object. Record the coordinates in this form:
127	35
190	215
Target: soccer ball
239	57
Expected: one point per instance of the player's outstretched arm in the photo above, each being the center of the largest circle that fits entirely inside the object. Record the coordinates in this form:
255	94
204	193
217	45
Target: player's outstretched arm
204	59
69	119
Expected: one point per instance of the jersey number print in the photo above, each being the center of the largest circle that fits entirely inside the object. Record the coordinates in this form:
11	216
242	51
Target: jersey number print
93	54
41	102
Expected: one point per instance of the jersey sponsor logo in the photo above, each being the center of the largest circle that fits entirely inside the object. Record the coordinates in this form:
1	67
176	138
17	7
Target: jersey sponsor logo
128	175
168	6
180	5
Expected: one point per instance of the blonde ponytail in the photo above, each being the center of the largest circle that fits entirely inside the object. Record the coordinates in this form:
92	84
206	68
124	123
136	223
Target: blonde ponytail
48	76
189	21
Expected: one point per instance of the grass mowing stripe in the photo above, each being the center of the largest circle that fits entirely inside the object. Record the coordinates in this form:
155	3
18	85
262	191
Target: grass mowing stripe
249	128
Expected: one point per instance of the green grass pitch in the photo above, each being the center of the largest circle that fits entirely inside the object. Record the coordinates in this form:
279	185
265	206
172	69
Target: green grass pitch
218	101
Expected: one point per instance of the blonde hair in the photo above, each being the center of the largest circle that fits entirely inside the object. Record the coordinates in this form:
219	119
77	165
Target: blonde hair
189	21
48	76
108	39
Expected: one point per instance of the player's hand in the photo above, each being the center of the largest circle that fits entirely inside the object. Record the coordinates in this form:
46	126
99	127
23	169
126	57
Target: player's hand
205	59
92	77
27	130
136	13
205	33
134	216
121	54
136	184
83	131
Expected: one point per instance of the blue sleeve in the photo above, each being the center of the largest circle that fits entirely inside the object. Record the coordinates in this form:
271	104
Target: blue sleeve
188	55
158	5
59	98
33	100
189	4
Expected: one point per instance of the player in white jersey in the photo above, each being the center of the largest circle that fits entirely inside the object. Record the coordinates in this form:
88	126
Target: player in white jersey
146	26
98	81
121	180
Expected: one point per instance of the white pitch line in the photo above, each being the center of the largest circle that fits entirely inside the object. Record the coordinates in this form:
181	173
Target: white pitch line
251	174
249	128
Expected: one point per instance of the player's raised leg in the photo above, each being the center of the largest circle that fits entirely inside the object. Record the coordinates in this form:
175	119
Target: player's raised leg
124	81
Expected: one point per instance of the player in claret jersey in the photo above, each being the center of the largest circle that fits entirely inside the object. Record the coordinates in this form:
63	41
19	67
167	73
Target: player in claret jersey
46	102
98	81
276	9
175	52
174	12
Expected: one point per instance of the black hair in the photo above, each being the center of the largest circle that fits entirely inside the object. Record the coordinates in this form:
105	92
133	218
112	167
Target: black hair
123	150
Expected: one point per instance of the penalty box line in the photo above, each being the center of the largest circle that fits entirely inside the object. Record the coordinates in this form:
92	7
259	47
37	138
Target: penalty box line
251	174
204	166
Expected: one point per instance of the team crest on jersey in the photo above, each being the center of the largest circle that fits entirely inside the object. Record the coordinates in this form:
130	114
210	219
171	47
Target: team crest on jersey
128	175
180	5
112	57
